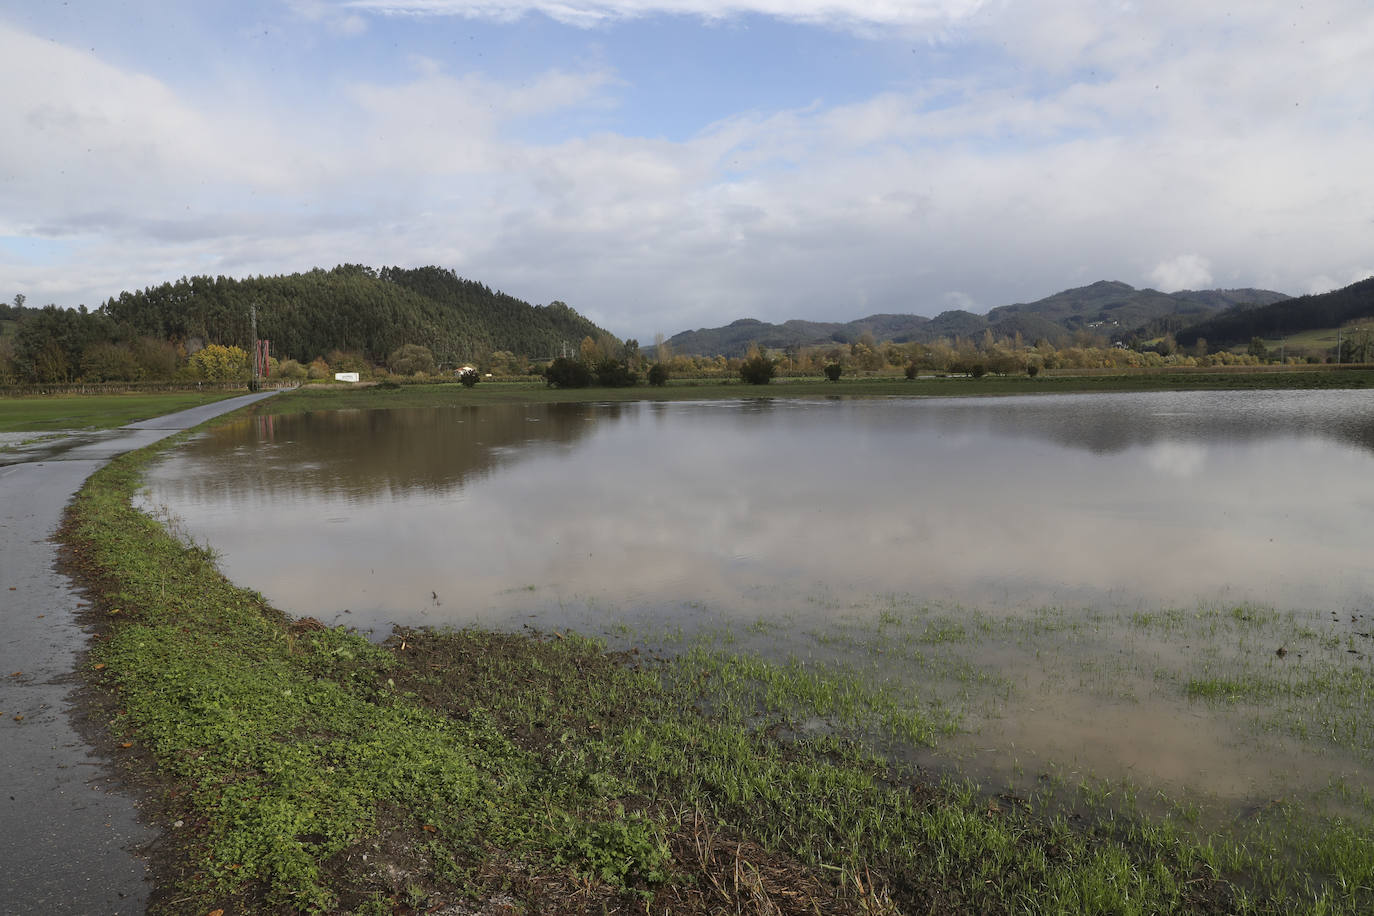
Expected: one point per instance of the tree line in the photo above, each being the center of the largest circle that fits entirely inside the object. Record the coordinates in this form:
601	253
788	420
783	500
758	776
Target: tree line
350	317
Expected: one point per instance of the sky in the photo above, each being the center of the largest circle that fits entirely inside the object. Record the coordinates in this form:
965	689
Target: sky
663	165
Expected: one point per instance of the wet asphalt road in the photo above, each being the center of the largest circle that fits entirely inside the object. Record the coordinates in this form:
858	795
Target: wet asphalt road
69	838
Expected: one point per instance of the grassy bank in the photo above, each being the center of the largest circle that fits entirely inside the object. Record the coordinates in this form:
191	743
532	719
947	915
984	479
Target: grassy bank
302	768
40	413
322	397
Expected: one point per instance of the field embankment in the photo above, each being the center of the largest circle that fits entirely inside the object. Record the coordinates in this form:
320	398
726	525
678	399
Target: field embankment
329	397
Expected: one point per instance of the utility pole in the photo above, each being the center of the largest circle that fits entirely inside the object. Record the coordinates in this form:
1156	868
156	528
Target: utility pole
257	368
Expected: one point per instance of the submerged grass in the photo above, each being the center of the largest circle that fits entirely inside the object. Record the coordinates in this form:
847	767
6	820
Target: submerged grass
311	770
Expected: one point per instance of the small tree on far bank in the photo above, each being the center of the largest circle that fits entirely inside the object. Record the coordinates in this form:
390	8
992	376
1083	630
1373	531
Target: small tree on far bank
468	376
614	373
833	371
757	369
410	359
219	363
567	373
658	375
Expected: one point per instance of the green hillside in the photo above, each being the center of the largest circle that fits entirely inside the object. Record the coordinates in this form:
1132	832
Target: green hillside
1120	308
1113	309
1304	313
352	308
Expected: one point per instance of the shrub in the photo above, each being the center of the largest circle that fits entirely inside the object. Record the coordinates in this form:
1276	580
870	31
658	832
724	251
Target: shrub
911	370
318	369
832	371
289	368
350	361
978	370
1032	370
757	370
410	359
109	362
219	363
468	376
567	373
658	374
157	359
612	373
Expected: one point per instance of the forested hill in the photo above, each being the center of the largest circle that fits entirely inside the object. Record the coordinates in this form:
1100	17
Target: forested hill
1303	313
353	308
1112	309
1123	308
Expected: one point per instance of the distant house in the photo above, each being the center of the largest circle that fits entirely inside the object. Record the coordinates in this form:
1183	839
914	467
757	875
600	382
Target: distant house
345	376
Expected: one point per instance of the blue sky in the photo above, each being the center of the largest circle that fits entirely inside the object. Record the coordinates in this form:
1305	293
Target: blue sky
671	164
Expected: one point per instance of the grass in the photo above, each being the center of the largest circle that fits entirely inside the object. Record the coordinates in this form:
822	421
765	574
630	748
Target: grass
313	771
39	413
1319	342
321	397
101	411
1299	718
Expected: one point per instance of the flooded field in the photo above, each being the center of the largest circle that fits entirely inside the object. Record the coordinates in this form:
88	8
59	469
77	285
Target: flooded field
1152	593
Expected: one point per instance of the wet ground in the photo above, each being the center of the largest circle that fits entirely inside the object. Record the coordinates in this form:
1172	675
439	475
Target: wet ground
71	840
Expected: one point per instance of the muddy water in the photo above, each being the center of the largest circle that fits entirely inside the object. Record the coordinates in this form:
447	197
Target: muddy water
645	516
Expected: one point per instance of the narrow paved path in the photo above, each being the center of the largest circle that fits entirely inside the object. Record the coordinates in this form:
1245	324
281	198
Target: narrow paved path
69	839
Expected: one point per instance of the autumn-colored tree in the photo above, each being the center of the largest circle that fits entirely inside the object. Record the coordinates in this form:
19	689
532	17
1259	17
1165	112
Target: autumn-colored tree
220	363
109	362
757	368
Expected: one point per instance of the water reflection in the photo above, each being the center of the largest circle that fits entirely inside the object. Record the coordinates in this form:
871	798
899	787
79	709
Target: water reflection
1110	424
372	454
837	518
577	512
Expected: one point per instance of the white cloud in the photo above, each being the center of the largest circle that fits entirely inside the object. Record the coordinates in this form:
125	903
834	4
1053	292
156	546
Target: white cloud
957	300
339	21
1324	284
1109	138
1186	271
585	13
84	131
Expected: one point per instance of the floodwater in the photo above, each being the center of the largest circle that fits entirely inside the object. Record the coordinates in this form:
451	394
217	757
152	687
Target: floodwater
490	514
818	514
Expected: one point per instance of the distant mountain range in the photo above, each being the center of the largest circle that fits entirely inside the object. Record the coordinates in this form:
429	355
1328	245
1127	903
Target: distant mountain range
1115	310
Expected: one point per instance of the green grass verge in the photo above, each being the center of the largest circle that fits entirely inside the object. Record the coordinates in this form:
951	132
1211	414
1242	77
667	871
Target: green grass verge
310	770
94	411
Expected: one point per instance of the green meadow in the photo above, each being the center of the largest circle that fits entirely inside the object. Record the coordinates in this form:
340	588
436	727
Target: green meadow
45	413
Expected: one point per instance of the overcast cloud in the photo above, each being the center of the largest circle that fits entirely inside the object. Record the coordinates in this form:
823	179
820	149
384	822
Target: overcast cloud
668	164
